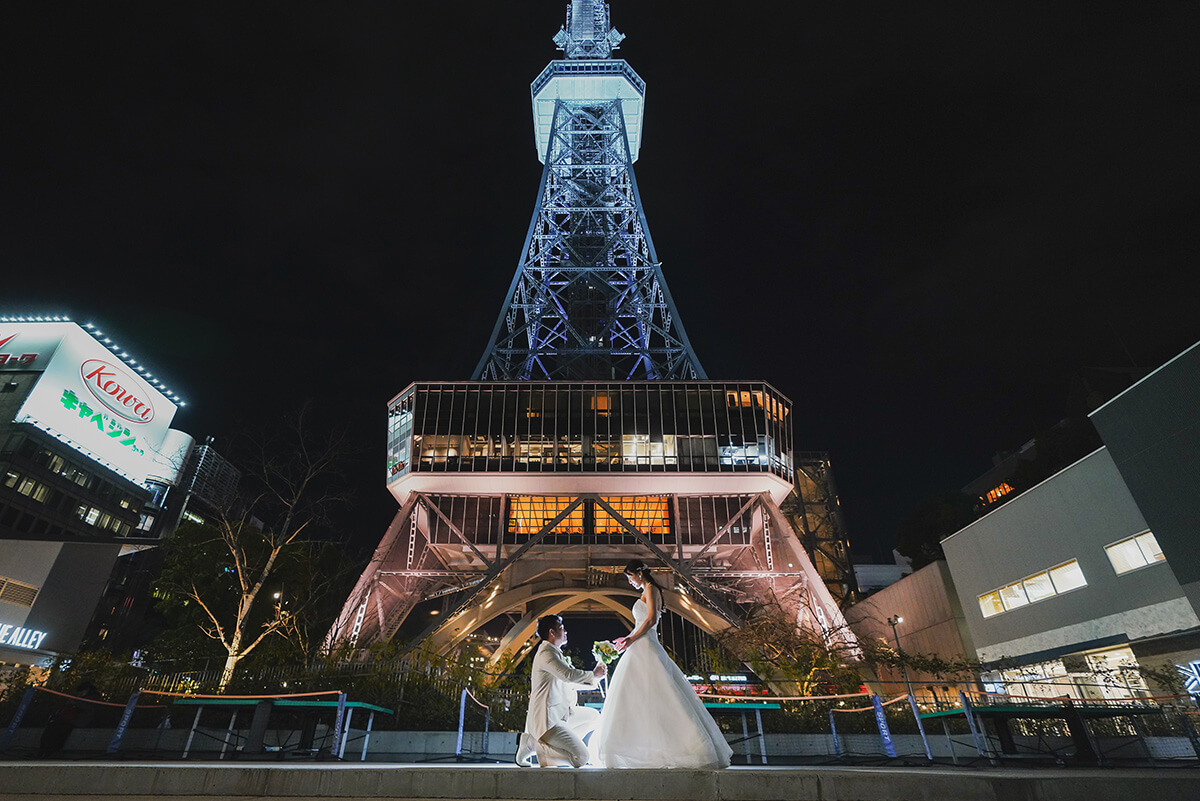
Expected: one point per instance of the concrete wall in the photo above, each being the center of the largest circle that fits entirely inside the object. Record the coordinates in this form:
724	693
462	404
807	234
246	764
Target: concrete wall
1152	431
1071	515
71	577
68	599
933	620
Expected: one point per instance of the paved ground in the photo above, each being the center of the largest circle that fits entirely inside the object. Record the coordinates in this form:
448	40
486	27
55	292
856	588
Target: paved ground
131	781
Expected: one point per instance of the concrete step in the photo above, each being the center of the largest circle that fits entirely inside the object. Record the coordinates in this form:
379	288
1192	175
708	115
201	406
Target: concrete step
40	781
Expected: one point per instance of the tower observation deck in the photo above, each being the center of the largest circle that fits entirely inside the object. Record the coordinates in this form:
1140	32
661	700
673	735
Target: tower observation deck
589	433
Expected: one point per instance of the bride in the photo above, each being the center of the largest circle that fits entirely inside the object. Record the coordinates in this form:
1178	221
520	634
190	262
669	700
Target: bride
652	717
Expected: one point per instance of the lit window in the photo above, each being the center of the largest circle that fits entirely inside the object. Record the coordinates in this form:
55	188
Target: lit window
1150	548
1135	552
647	513
1013	595
1067	577
999	492
1038	586
1125	556
601	402
990	604
1032	589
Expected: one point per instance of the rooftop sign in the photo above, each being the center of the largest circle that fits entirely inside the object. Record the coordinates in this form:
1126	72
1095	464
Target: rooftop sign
88	396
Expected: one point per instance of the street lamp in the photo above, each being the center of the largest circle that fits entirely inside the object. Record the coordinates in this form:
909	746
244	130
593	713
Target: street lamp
892	621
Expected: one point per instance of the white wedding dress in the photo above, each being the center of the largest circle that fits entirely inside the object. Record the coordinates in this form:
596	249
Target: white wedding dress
652	717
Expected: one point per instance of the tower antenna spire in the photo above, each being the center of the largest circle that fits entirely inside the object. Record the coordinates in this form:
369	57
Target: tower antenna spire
587	33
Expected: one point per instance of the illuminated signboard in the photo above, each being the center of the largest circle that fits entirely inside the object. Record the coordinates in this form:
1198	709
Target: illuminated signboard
89	397
27	347
1191	676
18	637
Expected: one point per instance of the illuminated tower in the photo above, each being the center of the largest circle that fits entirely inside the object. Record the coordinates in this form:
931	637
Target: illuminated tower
590	434
588	300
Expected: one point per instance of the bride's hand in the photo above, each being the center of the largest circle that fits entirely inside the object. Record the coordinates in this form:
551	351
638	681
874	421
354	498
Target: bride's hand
621	643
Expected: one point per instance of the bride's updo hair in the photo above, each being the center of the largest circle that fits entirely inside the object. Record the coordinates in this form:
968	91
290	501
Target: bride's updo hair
636	567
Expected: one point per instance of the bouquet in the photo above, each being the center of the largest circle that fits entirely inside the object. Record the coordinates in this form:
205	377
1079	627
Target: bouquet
605	652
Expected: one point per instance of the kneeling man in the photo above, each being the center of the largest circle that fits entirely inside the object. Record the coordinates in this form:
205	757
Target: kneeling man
556	724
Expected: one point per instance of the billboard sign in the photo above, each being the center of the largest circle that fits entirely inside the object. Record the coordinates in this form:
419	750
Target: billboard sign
26	346
90	398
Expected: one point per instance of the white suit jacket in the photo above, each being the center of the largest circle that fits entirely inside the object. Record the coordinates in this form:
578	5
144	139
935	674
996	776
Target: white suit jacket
552	689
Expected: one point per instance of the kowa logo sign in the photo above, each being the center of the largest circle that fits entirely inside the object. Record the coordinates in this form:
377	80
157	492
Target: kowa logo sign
117	389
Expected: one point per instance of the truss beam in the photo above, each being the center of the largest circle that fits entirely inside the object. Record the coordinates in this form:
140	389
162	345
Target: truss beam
588	300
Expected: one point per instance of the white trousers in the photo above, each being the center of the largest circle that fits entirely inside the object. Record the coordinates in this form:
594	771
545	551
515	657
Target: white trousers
562	744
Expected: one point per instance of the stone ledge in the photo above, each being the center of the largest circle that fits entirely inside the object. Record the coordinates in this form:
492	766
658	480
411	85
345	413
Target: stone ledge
39	781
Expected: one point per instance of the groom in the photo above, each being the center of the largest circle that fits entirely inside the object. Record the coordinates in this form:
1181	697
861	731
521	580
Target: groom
556	725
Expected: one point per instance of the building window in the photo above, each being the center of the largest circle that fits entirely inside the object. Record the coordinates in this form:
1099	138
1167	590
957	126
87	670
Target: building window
9	386
998	492
1031	589
1014	595
34	489
1134	552
1038	586
990	604
1067	577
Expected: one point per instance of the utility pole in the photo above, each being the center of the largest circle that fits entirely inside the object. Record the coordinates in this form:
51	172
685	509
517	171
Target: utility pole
892	621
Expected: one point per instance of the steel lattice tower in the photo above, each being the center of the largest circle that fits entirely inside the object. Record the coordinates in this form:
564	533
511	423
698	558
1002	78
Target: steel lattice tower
588	301
589	433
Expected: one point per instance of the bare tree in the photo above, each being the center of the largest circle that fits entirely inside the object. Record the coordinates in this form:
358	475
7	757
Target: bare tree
790	657
800	660
288	489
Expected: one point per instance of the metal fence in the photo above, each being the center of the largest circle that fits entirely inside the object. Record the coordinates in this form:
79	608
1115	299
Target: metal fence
963	725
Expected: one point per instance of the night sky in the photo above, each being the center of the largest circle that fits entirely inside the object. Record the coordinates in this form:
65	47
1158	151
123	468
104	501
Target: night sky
917	220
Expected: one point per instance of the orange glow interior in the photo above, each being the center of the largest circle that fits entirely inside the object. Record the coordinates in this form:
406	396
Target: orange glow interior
755	400
527	514
648	514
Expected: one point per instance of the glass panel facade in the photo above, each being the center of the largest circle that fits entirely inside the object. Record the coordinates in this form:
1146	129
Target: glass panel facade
512	519
632	426
587	521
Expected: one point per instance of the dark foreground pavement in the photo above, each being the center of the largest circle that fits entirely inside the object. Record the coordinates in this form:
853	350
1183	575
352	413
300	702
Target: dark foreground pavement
42	781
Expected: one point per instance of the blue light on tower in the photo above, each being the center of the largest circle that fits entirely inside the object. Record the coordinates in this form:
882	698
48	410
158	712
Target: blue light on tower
588	301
